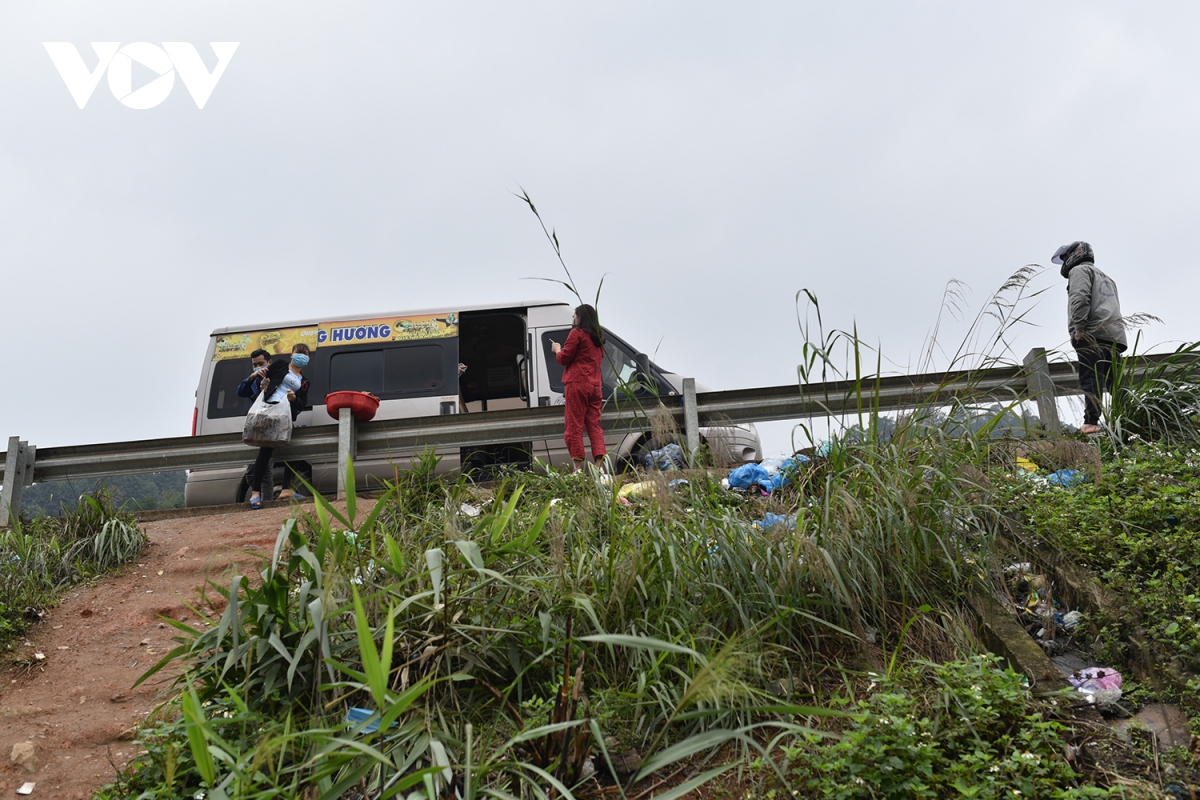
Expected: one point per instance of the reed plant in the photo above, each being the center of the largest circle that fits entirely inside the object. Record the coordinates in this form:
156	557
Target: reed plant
1159	403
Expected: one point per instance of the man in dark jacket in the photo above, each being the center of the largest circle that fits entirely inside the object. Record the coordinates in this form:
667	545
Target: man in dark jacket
252	385
1095	324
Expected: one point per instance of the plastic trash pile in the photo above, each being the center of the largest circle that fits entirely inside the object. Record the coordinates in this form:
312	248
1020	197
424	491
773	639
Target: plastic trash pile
1037	611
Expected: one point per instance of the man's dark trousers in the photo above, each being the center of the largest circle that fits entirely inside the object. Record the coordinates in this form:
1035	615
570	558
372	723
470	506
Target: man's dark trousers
1095	376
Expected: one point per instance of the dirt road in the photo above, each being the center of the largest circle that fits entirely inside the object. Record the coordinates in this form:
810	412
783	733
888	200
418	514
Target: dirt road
77	706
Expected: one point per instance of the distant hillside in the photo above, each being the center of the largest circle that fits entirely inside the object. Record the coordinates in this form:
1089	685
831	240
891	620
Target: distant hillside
133	492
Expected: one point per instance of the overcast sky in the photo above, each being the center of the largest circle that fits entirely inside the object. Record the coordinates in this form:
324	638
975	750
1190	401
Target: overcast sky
712	159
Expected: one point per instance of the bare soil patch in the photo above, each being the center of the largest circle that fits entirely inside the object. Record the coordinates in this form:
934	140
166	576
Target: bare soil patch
77	705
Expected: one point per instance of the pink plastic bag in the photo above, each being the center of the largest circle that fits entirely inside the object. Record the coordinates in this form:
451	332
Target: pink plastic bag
1099	684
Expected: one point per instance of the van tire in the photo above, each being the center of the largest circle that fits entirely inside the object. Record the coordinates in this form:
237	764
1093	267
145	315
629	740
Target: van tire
645	445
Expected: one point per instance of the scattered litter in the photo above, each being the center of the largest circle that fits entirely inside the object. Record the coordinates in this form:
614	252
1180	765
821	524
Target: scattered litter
770	520
469	510
1065	477
26	788
1027	465
725	483
1037	611
1100	685
40	656
555	502
665	458
357	716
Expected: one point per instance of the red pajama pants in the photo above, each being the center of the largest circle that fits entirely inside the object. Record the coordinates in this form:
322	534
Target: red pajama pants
583	411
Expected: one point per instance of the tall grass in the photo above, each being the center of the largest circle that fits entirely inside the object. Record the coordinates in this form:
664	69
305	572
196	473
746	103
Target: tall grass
499	653
1160	403
502	654
41	557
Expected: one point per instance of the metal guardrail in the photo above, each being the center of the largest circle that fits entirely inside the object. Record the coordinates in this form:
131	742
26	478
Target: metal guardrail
1038	379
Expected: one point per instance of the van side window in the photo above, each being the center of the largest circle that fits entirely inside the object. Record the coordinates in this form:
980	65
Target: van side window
222	394
390	372
360	371
554	370
417	369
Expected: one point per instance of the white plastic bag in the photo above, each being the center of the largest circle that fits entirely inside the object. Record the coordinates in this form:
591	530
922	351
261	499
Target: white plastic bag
268	425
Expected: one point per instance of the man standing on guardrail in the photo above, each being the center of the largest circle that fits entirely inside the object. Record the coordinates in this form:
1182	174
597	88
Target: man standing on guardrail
1095	323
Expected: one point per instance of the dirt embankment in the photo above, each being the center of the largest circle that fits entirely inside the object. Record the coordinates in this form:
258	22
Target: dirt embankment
76	706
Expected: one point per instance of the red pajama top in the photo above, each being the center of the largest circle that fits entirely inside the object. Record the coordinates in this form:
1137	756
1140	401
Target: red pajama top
581	359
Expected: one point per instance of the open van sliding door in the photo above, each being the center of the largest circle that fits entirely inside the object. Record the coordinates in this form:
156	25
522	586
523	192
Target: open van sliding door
494	348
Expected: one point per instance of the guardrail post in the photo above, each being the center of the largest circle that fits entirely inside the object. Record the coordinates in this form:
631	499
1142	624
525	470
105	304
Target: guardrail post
691	419
347	448
1040	386
18	473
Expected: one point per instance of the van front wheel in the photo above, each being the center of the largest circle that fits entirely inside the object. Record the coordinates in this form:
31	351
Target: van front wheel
641	452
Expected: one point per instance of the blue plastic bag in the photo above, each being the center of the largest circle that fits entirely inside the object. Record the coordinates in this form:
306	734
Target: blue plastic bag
770	520
1065	477
747	475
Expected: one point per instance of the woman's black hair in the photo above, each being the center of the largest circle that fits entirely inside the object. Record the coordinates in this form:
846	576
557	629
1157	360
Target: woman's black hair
589	323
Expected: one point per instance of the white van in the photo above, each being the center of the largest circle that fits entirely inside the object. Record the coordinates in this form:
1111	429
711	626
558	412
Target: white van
409	360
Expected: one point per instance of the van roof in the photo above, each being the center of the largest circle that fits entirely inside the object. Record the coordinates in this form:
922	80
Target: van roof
301	323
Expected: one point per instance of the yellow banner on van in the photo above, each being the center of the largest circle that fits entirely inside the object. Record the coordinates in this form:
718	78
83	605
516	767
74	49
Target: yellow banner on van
327	334
276	342
388	329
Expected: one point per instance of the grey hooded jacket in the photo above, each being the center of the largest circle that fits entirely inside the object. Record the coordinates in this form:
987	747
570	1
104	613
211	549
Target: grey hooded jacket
1093	308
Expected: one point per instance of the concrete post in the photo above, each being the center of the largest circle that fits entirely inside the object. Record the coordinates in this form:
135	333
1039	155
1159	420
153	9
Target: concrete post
691	419
18	473
1040	387
347	448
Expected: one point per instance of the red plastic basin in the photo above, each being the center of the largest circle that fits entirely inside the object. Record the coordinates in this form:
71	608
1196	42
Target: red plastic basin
362	405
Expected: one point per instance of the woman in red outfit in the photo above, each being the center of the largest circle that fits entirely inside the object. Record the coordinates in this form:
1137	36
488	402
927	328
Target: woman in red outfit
581	358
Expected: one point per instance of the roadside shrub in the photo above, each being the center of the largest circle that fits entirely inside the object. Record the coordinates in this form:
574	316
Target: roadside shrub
963	728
